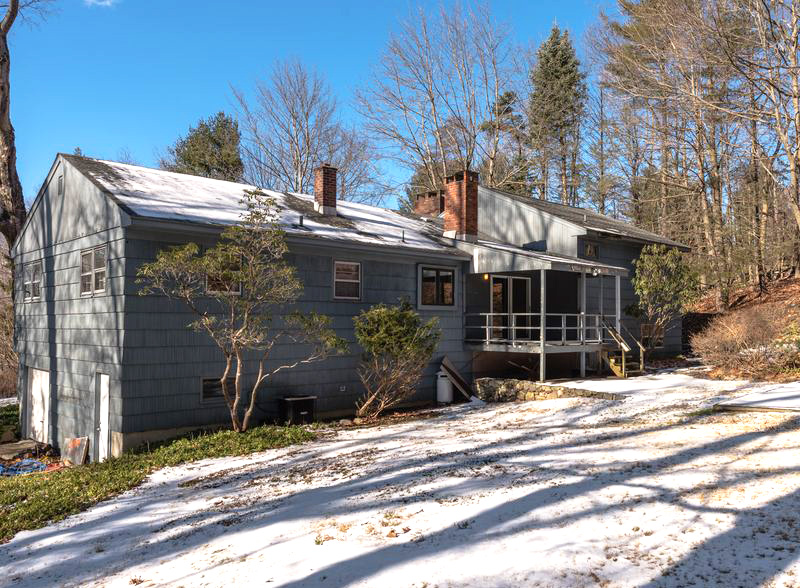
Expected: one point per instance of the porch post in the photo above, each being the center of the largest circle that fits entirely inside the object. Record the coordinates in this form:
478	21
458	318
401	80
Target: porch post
618	303
602	279
542	321
583	323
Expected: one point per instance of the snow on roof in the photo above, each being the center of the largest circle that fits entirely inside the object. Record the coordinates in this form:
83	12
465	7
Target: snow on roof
159	194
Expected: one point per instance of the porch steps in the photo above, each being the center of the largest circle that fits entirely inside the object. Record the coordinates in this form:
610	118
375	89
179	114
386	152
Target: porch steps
620	366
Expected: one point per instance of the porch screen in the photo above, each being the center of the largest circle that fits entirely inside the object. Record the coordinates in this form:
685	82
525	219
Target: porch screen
437	287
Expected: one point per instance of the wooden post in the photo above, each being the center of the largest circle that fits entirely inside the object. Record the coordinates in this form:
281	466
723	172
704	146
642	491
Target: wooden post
583	323
542	322
617	303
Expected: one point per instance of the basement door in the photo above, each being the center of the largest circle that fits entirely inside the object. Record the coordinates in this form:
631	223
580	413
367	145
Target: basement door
38	404
103	400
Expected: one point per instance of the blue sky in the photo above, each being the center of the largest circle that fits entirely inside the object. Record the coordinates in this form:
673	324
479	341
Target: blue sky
113	75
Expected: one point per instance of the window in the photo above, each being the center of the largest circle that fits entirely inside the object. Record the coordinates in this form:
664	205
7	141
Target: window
93	270
591	250
347	280
32	281
652	336
212	389
437	286
60	185
225	283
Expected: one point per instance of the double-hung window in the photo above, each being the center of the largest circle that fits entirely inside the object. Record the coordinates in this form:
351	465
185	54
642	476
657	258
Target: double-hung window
32	281
436	286
93	271
347	280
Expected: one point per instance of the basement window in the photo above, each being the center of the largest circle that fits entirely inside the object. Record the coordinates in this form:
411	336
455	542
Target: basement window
346	280
32	282
212	389
436	286
93	271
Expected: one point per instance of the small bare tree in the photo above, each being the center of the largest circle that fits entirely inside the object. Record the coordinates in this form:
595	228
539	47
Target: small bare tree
234	289
291	127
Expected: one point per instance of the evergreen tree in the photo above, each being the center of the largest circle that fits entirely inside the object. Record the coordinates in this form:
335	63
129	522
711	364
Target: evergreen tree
211	149
555	111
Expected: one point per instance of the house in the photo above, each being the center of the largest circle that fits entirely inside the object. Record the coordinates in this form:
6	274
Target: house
98	359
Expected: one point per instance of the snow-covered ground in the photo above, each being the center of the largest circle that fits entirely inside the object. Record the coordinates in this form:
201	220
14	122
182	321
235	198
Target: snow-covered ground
649	491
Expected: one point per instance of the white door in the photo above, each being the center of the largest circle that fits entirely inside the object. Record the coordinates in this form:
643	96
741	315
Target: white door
38	404
104	403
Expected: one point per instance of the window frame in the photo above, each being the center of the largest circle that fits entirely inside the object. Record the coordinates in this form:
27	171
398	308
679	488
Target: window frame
593	244
60	185
27	275
360	280
93	291
215	399
420	269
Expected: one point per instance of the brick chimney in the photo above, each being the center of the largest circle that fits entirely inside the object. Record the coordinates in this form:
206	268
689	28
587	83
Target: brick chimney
429	203
325	189
461	206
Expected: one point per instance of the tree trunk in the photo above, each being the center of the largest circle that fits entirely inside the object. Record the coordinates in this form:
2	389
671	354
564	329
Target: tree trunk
12	203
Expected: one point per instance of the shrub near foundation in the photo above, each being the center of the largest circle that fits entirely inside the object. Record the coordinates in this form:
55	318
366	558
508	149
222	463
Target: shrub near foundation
755	342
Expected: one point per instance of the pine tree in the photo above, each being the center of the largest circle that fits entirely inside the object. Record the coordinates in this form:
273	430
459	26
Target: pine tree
211	149
555	112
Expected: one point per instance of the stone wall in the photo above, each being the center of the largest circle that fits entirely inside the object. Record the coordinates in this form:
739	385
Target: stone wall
509	390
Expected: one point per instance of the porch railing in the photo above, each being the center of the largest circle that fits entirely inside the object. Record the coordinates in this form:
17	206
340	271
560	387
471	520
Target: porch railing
525	327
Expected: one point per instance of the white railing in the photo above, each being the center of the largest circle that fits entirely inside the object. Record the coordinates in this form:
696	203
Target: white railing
525	327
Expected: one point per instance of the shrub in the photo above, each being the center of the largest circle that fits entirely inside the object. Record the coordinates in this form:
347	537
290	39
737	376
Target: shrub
397	347
753	342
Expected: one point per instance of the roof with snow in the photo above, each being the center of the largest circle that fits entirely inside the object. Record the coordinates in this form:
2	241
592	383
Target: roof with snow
158	194
590	220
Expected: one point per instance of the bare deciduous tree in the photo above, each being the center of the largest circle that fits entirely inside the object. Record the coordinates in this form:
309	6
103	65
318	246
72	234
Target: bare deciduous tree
12	202
291	126
436	98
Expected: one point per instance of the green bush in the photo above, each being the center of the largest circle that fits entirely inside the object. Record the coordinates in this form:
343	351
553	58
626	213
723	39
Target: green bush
34	500
9	418
397	347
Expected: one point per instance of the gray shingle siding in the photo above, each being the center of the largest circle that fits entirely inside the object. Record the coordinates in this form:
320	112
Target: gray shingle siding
622	254
164	361
71	336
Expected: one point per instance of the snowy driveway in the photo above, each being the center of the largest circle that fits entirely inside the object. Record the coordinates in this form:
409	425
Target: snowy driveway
649	491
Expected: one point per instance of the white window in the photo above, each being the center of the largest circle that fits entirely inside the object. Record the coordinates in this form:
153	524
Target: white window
93	270
437	286
347	280
60	185
32	281
591	250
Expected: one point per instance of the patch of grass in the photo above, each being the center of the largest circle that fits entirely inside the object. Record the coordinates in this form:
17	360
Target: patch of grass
32	501
703	412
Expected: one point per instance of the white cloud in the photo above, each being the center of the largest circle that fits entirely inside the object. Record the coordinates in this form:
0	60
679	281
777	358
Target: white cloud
100	2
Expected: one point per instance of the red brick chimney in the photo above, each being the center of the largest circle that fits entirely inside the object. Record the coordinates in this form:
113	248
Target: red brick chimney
429	203
325	189
461	206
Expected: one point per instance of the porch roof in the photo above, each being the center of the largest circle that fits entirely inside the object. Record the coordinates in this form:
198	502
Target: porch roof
493	257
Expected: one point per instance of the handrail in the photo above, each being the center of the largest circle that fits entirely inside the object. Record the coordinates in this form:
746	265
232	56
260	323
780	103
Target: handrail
587	328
